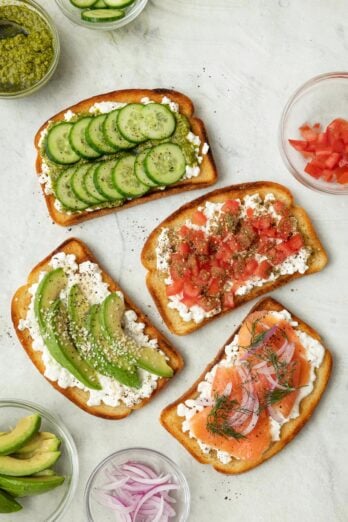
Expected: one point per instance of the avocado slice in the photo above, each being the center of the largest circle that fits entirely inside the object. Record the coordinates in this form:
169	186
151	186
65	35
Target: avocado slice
44	473
22	467
61	344
149	359
24	430
8	504
25	486
43	447
51	318
34	443
84	330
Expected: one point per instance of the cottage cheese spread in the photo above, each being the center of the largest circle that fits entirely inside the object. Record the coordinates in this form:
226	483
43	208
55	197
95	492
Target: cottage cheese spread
89	276
315	354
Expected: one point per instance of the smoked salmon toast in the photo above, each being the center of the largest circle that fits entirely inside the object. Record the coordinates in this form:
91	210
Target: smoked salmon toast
226	248
256	395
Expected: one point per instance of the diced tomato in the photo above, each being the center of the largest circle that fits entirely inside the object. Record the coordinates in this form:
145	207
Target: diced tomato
312	170
277	255
251	267
322	139
284	228
263	222
308	133
199	218
190	290
232	244
184	231
295	242
208	303
332	160
175	288
228	300
203	277
263	270
250	212
279	206
328	175
299	145
189	301
231	206
184	249
343	178
215	286
192	264
239	268
324	152
338	146
344	136
224	253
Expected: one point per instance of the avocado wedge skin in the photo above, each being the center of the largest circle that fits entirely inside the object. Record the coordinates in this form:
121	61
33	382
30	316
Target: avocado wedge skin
147	358
8	504
23	467
60	343
24	430
27	486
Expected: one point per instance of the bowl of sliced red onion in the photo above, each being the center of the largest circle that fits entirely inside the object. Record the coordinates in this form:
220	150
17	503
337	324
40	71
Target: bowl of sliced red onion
137	485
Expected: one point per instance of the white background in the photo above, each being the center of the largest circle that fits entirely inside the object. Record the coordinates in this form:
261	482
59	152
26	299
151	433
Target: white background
239	61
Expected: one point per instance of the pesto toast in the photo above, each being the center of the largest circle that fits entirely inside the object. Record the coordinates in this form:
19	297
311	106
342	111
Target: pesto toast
256	395
225	248
86	336
120	149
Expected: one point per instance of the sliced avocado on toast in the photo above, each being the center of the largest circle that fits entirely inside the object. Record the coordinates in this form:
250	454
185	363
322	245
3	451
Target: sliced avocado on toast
85	330
24	430
147	358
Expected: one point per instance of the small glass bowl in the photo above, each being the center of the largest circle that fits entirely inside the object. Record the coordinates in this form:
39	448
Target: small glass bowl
97	512
49	506
319	100
31	4
74	13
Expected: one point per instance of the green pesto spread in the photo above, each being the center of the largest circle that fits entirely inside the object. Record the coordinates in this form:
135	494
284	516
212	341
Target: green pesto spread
24	59
179	137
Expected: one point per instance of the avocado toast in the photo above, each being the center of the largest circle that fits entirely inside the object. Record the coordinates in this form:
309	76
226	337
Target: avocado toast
120	149
87	338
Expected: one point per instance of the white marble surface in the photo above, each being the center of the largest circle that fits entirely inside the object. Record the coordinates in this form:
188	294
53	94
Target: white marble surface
239	60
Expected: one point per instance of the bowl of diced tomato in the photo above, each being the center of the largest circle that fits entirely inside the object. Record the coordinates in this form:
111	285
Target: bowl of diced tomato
314	133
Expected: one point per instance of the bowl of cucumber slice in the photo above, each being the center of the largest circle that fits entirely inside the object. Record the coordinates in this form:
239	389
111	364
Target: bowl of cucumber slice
38	463
104	15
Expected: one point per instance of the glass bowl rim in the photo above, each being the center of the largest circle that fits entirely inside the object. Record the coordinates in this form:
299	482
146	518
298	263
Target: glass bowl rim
56	50
104	26
312	82
180	475
69	443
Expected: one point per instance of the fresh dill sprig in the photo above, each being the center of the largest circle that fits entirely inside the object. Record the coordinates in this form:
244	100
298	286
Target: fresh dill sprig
217	421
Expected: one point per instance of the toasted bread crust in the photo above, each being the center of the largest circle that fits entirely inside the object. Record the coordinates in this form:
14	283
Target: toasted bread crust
208	174
19	309
172	422
155	279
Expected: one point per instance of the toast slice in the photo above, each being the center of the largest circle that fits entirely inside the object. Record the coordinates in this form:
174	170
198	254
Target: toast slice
173	423
156	279
19	309
208	172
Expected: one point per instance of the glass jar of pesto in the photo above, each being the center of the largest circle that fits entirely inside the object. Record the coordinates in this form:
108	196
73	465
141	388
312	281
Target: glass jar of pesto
27	61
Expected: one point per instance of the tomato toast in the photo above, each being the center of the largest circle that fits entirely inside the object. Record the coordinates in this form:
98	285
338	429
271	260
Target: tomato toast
61	315
121	149
257	393
226	248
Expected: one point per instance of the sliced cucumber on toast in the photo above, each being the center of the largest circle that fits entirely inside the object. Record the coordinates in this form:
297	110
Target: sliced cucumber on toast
165	164
104	182
89	185
78	187
95	136
125	180
58	148
64	192
78	139
112	133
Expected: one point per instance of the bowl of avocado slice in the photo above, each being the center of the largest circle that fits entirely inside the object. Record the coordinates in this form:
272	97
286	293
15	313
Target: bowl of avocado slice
38	463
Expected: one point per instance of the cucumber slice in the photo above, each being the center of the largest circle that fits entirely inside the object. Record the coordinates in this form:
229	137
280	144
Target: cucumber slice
158	121
58	147
125	180
82	4
89	186
112	133
102	15
95	136
139	169
130	122
118	3
64	192
78	186
78	140
103	181
165	164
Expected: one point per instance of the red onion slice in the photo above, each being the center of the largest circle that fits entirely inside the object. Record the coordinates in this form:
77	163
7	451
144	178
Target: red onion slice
254	418
275	383
269	333
275	415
